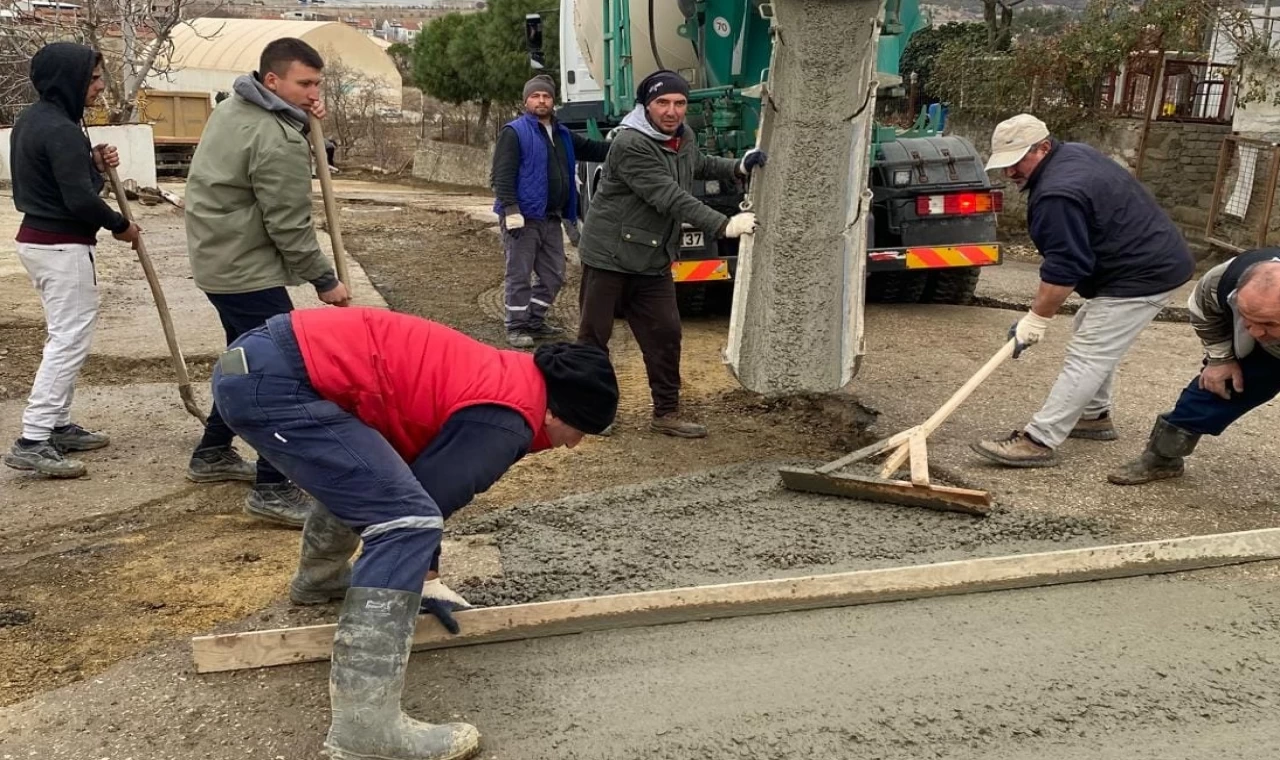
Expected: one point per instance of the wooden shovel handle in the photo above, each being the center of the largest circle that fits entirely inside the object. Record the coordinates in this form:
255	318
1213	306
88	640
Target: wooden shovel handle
316	134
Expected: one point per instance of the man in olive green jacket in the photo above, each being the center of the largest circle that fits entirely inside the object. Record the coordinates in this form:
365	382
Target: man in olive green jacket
632	235
250	234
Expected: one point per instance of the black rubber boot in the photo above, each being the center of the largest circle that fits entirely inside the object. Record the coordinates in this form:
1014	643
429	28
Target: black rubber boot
324	569
1162	459
370	654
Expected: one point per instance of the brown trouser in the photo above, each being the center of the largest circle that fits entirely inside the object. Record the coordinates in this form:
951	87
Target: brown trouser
648	303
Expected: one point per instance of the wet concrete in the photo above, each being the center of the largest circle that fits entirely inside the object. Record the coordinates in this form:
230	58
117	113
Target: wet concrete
732	524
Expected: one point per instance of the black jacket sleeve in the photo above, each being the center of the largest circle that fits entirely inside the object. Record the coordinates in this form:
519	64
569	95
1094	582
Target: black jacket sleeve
506	168
73	169
586	149
1060	230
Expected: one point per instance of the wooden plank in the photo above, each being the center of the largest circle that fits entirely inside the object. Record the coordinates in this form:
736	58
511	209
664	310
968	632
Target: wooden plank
524	621
919	461
943	498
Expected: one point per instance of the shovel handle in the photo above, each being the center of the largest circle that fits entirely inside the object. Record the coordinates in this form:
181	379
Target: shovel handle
316	135
162	305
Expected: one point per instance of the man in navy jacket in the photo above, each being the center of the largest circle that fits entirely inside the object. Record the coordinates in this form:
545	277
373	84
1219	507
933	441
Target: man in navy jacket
1102	235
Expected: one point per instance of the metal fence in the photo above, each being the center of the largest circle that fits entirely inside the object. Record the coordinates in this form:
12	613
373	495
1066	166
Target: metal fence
1243	214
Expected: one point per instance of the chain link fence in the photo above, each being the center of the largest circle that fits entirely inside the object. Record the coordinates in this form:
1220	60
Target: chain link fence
1243	214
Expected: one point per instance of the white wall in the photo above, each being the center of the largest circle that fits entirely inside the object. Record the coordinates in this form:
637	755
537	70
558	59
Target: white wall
134	141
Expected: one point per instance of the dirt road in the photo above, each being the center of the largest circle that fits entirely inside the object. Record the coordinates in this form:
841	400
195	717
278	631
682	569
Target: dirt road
100	580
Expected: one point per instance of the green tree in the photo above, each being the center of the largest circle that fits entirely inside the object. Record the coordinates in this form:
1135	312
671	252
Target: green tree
466	57
922	51
503	42
402	55
433	69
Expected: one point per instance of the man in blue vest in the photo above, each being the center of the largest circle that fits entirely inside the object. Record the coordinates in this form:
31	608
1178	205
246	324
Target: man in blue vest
1235	311
535	185
1102	235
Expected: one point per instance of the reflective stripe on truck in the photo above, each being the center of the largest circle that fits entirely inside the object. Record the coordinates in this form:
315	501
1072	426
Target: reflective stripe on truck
700	270
934	257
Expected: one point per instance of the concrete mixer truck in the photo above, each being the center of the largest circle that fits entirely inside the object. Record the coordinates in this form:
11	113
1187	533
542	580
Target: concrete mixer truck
850	210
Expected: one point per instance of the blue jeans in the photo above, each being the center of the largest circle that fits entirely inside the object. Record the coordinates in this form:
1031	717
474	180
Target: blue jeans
240	313
1203	412
398	508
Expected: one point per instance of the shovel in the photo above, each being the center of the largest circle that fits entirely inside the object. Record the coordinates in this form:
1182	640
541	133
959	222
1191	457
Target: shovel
907	445
162	305
331	214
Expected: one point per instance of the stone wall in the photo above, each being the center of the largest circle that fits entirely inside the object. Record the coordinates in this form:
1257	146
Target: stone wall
452	164
1180	166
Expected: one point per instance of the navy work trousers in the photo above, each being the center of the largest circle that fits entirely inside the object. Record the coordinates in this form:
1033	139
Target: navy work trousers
398	508
1200	411
240	313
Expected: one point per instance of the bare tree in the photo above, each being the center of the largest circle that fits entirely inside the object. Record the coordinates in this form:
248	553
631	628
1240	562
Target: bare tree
135	38
356	103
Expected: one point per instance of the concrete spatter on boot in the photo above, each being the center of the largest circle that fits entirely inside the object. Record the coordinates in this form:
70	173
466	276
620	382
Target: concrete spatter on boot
370	654
324	568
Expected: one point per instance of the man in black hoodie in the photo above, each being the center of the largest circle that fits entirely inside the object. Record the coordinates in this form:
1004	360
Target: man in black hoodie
57	175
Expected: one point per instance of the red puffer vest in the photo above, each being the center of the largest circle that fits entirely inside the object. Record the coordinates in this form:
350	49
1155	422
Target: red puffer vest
403	376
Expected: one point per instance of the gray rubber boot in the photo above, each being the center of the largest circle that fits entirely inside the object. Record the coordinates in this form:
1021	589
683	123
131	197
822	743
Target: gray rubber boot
366	679
1162	459
324	569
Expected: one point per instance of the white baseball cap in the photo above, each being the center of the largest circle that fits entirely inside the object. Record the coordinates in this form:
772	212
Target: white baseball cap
1013	138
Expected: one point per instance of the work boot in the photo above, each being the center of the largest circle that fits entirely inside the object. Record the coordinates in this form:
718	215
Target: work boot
72	437
282	503
324	570
42	457
546	330
1162	459
674	425
1098	429
366	680
1018	450
519	339
218	463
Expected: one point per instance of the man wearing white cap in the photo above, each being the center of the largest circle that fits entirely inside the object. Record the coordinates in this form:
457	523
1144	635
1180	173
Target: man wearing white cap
1101	234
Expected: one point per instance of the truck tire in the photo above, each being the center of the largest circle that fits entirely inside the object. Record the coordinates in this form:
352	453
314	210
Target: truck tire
955	286
896	287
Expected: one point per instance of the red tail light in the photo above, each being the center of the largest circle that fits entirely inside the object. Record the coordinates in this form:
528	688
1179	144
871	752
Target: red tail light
960	204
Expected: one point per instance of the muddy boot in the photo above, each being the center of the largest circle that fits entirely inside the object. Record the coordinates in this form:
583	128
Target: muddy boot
366	679
324	570
674	425
1097	429
42	457
282	503
220	463
1018	450
519	339
1162	459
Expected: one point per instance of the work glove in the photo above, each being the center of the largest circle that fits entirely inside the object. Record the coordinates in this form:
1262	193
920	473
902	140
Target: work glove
740	224
752	159
1027	332
514	224
575	234
441	602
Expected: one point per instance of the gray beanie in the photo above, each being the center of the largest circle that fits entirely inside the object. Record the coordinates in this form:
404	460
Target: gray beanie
540	83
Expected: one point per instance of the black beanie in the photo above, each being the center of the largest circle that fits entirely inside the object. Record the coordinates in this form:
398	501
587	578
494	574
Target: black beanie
581	387
659	83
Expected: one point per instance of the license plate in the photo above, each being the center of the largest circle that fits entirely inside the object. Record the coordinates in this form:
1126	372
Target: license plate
692	239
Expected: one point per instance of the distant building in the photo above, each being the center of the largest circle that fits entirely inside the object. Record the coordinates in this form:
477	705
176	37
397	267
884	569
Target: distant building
209	53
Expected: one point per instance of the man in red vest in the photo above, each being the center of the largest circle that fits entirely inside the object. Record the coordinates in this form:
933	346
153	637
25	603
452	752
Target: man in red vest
393	423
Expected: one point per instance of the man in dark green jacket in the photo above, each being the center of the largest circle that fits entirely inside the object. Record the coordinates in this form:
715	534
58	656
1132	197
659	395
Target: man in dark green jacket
632	235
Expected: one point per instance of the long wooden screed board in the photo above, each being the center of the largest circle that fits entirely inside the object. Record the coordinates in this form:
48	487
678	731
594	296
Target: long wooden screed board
283	646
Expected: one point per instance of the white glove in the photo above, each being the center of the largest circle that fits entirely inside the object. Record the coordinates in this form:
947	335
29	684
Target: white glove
435	589
1028	331
515	221
740	224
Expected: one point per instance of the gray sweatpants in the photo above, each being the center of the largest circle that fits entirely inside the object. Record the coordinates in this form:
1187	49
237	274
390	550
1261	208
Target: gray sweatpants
538	249
1101	334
